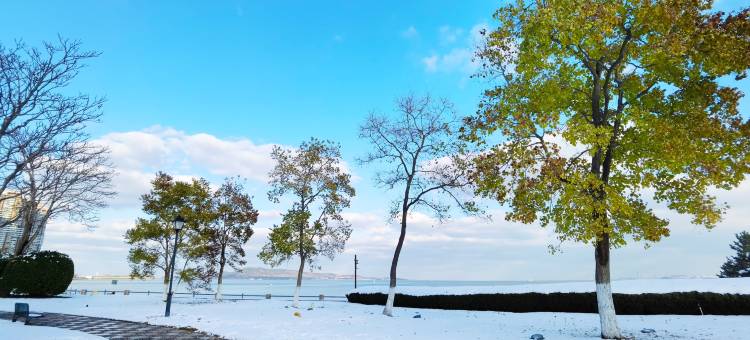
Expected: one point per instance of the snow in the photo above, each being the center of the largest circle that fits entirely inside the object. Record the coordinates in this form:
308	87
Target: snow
716	285
275	319
18	331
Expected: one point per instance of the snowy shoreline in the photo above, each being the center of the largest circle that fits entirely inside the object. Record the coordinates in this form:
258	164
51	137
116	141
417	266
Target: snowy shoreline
635	286
319	320
274	319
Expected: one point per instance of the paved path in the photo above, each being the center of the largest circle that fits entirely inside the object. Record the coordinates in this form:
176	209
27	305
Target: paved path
113	329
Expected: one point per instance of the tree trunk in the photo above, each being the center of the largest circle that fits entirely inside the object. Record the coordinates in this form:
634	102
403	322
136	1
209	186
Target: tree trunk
388	310
219	297
604	301
605	304
218	286
167	267
21	242
222	263
166	286
301	270
26	224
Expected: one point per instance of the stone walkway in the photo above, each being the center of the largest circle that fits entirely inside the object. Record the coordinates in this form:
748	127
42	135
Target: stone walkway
113	329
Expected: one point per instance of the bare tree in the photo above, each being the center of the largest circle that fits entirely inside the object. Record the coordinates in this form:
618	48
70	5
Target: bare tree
425	162
37	116
75	182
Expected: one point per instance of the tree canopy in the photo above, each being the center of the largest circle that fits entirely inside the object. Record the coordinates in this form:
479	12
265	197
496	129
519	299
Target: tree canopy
601	110
152	237
39	117
602	107
313	178
228	229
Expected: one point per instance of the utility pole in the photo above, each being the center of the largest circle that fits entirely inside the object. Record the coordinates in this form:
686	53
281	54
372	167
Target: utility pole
356	262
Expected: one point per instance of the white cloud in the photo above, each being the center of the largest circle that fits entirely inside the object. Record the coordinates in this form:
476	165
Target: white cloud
461	248
458	53
459	59
431	63
475	34
455	60
373	234
410	33
449	35
138	155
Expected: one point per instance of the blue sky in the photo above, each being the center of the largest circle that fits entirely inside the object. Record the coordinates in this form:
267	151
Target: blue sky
201	88
233	68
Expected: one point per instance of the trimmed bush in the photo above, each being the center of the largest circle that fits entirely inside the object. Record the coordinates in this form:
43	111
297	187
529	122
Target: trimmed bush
688	303
4	289
44	273
3	263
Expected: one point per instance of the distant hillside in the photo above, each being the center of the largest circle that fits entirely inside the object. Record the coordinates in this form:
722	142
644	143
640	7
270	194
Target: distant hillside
268	273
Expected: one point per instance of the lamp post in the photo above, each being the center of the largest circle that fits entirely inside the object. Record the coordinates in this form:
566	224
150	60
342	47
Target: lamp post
177	224
356	262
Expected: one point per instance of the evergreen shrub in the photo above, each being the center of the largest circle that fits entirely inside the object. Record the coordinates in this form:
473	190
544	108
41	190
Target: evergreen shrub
39	274
683	303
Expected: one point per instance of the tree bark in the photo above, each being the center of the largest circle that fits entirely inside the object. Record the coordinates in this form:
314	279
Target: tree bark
26	223
167	266
22	242
301	270
166	287
604	301
222	263
31	230
388	310
219	297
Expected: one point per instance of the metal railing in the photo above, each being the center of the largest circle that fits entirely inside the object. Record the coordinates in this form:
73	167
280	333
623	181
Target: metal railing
195	295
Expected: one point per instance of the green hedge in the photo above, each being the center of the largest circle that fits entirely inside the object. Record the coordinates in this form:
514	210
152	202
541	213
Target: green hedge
44	273
4	289
688	303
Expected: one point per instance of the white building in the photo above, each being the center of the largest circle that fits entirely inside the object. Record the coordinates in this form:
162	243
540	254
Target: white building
10	207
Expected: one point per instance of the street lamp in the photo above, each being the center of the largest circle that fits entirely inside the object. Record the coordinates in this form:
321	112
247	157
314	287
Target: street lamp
177	225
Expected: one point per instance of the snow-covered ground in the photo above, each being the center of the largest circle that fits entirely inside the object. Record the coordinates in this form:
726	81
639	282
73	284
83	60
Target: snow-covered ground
716	285
273	319
17	331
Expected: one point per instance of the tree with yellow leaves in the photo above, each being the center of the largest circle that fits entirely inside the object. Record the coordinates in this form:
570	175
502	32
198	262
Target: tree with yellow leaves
600	107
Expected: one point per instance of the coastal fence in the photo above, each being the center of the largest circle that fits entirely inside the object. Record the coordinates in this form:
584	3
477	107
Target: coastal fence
207	295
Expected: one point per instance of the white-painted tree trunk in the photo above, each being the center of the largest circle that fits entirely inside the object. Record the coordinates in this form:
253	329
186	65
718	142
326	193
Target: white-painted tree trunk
166	290
607	315
295	302
219	297
388	310
604	302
